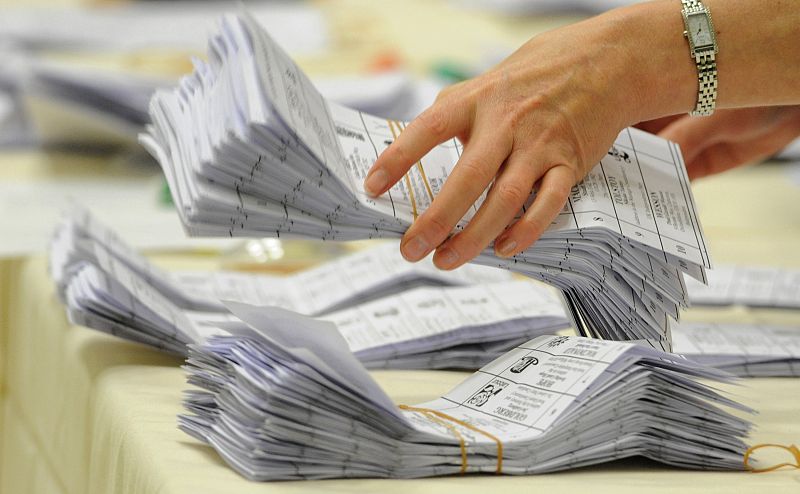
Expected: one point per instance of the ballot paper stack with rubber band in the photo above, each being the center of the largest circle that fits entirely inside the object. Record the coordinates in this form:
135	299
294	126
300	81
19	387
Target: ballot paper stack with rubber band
746	350
250	148
284	400
108	286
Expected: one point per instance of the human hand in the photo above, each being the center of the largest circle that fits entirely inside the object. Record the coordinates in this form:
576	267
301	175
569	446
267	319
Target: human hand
731	138
545	115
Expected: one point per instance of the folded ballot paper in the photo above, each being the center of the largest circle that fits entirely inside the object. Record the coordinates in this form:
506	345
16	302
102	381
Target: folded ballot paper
250	148
747	350
283	400
422	318
753	286
360	277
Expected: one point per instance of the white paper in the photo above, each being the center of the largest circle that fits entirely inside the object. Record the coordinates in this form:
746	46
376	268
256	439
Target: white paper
392	314
743	349
757	286
250	148
552	403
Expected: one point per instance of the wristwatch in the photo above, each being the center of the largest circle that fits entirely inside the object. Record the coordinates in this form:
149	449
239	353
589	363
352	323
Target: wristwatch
699	31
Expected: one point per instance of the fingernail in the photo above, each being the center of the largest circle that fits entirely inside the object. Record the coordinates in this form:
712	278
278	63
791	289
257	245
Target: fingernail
446	258
505	247
376	182
415	249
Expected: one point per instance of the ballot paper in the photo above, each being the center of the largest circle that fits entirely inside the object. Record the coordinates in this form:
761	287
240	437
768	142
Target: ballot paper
748	350
755	286
61	98
283	400
363	276
387	322
366	275
250	148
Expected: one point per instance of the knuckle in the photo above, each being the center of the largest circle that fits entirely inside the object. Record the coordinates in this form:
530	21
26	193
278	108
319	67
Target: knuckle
445	93
534	102
434	121
437	225
511	194
529	227
468	244
473	170
518	112
560	189
398	154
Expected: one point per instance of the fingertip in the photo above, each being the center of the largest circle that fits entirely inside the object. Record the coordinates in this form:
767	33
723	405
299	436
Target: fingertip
505	247
415	248
377	182
447	258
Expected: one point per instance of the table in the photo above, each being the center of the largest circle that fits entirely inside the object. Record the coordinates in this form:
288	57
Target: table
87	413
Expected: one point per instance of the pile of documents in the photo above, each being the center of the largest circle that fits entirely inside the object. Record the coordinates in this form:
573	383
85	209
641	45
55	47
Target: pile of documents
747	350
363	276
281	401
250	148
116	100
753	286
391	313
58	96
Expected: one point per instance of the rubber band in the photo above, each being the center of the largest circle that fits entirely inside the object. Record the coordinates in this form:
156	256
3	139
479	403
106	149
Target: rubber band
411	196
791	449
461	443
421	170
428	412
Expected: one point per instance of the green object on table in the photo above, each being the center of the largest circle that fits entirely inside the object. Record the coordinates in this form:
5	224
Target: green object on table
451	71
164	195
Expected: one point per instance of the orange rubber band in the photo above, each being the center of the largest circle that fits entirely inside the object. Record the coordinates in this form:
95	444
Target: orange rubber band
429	413
791	449
395	133
420	169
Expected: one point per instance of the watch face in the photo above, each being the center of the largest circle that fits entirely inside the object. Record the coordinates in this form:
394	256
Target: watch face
699	30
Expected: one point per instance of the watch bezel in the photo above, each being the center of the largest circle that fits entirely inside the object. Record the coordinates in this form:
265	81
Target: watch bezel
689	36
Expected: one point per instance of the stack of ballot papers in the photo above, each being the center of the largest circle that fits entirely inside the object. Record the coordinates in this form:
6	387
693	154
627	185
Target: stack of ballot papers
281	400
753	286
363	276
250	148
116	100
370	274
58	96
747	350
391	316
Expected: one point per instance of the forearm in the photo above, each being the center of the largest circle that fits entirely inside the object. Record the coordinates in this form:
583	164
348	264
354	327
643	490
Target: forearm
758	62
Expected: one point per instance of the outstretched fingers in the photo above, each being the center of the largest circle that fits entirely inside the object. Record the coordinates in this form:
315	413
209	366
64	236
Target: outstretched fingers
435	125
470	177
550	199
504	201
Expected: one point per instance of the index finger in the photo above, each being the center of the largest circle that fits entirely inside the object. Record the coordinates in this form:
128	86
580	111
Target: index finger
442	121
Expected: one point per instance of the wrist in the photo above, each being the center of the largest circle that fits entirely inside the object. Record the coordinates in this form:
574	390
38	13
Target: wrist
661	78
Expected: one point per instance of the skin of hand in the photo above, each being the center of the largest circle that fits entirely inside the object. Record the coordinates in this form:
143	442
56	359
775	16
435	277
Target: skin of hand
733	137
548	113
